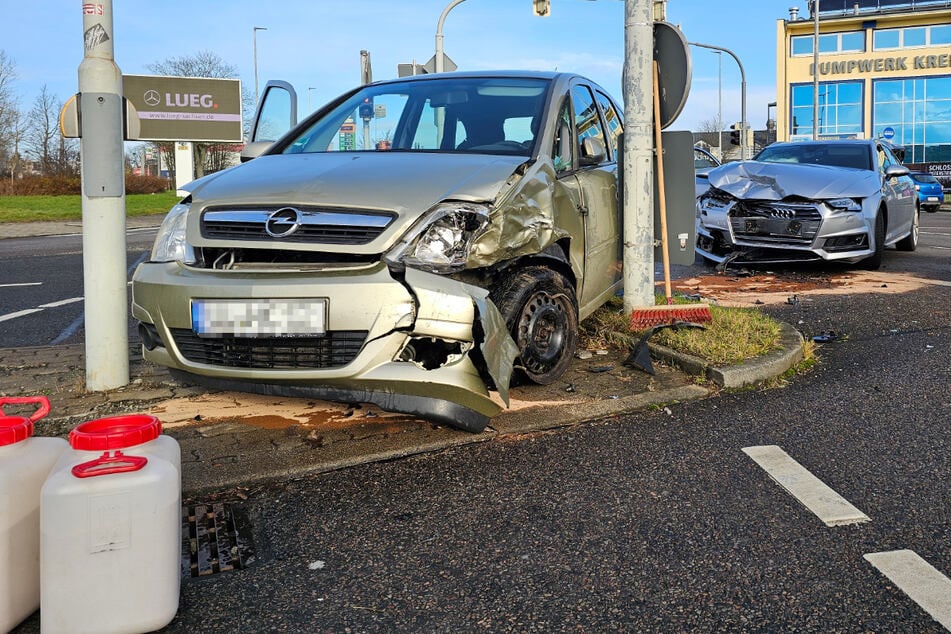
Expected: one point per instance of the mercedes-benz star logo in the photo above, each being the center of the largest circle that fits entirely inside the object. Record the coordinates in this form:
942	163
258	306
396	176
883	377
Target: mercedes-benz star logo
152	98
283	222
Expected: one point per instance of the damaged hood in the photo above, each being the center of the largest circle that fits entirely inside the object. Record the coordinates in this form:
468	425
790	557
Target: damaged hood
405	182
775	181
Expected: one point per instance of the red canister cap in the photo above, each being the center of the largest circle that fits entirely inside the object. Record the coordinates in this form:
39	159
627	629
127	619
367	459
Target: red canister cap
115	432
13	429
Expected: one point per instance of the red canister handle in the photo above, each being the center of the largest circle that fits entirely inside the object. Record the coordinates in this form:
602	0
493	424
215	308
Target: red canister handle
108	464
42	401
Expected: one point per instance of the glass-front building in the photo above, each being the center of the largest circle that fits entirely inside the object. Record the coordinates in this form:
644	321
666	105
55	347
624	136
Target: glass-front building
884	70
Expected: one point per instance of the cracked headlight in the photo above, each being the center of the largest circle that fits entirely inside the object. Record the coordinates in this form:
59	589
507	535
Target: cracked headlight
170	244
844	204
440	242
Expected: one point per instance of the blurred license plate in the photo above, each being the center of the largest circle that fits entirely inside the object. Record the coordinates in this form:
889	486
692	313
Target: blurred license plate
932	199
260	317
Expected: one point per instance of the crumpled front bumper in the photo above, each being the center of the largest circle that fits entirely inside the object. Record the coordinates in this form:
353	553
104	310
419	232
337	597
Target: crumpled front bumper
837	235
382	324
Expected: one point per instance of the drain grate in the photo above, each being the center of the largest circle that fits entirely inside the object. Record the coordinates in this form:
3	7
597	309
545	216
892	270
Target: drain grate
215	538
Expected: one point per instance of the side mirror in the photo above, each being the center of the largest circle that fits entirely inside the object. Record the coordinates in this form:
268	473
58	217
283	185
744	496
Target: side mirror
593	151
893	171
254	150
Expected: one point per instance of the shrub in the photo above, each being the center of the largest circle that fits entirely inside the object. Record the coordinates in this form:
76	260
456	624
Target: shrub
71	185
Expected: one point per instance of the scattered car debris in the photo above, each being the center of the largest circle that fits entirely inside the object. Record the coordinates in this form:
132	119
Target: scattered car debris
598	369
828	336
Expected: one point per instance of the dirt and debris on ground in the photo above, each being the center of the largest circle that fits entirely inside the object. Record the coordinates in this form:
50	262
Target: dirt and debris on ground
745	288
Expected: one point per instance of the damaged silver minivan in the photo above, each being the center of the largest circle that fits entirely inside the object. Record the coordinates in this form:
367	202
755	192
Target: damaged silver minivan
416	243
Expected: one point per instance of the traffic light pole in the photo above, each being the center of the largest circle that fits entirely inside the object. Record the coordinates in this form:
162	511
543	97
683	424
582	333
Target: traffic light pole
743	146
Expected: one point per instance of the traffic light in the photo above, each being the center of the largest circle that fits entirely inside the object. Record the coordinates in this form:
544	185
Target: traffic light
735	133
542	7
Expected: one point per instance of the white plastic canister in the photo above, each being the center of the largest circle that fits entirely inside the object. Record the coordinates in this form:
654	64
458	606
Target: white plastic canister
111	530
24	464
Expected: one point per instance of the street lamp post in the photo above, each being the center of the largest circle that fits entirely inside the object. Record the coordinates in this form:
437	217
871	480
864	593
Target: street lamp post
743	124
719	103
442	19
310	90
256	29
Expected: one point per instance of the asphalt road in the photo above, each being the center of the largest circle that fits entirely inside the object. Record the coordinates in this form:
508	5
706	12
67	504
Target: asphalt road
41	287
655	521
651	522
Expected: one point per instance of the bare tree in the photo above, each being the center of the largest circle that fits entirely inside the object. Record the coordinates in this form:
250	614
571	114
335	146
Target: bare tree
209	157
43	140
9	113
710	125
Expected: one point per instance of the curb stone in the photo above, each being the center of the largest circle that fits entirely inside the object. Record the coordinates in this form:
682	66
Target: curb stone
749	372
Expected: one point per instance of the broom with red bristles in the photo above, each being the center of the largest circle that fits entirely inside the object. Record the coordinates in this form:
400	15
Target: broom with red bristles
643	318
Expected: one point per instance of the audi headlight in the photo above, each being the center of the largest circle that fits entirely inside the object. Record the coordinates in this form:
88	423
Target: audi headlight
440	242
170	244
844	204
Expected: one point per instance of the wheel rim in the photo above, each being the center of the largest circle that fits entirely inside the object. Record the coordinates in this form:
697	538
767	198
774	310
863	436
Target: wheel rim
543	332
915	228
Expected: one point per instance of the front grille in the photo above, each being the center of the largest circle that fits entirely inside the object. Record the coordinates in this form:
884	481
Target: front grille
775	221
335	349
307	226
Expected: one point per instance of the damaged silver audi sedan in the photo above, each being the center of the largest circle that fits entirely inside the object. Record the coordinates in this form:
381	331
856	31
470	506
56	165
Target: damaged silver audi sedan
416	243
812	200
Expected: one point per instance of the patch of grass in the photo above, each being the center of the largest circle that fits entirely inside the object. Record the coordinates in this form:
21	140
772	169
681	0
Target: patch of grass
734	335
32	208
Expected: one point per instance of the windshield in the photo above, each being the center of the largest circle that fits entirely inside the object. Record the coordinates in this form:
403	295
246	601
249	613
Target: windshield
473	115
854	155
924	178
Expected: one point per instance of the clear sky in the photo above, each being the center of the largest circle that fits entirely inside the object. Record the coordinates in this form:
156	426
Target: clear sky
315	44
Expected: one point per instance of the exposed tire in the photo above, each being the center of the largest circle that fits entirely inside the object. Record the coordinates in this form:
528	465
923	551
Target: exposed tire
874	261
910	242
541	312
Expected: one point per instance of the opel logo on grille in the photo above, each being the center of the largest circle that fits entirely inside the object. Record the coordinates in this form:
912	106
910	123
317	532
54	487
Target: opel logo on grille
283	222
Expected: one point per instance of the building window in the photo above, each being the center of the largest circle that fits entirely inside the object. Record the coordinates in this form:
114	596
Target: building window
911	37
840	110
850	42
919	111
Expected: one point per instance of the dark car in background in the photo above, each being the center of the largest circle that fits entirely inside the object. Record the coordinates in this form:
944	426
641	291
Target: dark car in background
930	192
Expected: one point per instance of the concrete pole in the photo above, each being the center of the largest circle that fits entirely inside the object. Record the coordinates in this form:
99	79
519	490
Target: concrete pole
439	25
103	204
638	163
184	166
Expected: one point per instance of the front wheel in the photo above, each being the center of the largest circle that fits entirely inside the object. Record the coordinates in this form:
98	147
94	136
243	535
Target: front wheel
541	313
910	242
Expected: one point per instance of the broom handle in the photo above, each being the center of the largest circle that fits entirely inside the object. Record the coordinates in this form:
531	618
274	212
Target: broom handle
660	181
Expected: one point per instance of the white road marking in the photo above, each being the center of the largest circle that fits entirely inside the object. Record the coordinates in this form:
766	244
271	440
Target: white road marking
19	313
919	580
21	284
62	302
814	494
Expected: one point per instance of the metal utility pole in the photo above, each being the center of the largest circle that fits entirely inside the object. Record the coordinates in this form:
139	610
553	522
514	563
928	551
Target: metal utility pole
638	163
255	32
744	125
103	204
442	20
